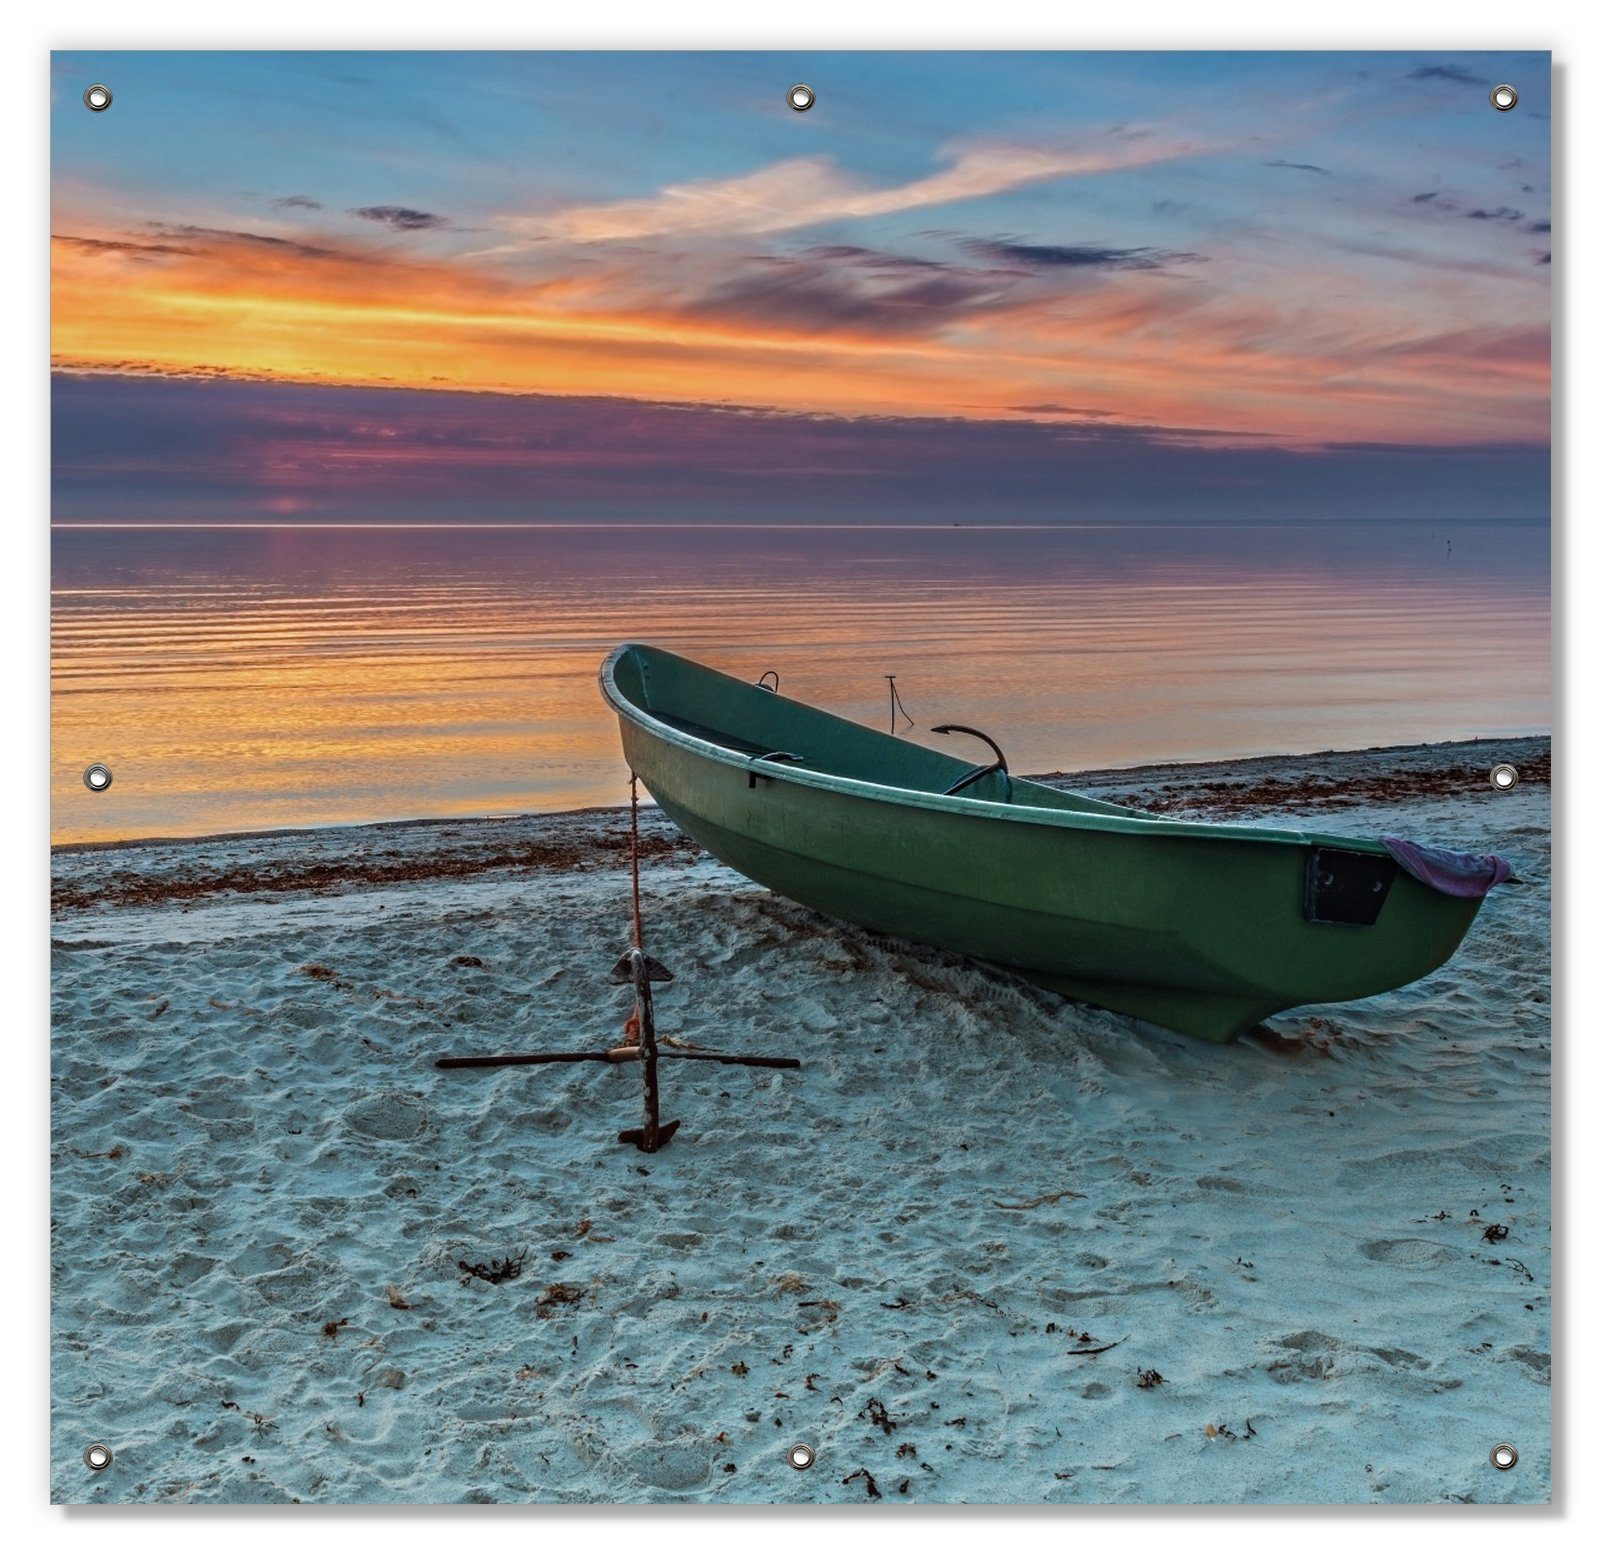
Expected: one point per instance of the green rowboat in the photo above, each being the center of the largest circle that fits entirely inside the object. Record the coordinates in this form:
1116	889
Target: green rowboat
1204	929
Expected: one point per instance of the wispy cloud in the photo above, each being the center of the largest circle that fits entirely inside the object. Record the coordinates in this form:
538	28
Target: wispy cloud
1081	256
123	246
237	236
1052	408
806	191
401	218
842	287
1300	167
297	202
1454	73
1436	201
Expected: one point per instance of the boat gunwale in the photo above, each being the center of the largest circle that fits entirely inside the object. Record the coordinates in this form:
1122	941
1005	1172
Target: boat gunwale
951	804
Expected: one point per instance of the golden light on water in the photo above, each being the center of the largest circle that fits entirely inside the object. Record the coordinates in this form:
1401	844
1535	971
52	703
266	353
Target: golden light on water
291	678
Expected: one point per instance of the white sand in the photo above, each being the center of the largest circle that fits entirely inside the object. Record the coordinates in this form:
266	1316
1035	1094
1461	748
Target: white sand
1291	1232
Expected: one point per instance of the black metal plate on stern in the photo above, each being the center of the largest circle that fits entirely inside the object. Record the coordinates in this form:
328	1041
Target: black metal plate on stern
1346	887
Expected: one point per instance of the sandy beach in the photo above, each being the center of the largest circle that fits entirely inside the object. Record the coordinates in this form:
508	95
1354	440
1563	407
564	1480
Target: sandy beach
986	1246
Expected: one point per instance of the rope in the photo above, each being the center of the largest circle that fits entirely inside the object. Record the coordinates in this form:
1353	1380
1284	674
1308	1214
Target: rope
634	858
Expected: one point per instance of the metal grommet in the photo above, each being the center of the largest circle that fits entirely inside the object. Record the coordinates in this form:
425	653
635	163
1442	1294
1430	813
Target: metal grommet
97	98
98	1456
1504	776
801	97
97	779
1504	98
1504	1455
801	1456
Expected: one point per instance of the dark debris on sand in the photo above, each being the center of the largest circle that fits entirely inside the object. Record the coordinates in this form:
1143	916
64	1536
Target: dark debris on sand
146	887
1250	791
496	1270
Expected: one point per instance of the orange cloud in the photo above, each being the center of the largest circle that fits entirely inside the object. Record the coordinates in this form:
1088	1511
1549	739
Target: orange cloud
839	330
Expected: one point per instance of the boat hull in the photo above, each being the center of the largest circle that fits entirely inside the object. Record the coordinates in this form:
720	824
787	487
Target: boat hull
1200	929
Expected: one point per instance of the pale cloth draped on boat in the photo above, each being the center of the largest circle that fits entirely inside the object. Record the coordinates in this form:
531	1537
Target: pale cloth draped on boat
1454	874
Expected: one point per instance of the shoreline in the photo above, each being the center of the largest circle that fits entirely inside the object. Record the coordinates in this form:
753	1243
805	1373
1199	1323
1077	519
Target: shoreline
317	860
1060	777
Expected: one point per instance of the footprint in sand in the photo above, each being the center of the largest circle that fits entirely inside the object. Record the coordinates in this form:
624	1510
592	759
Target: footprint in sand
1409	1250
670	1465
1537	1362
186	1268
387	1116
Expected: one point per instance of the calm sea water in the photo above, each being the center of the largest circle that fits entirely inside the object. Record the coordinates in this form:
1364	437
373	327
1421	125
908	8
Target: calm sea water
240	679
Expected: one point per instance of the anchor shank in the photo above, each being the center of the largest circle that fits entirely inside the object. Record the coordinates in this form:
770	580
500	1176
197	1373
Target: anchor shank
511	1060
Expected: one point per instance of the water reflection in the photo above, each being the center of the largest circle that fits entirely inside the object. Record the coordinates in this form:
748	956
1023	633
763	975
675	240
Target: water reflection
240	679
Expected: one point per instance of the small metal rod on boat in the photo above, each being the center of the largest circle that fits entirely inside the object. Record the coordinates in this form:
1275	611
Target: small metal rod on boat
896	705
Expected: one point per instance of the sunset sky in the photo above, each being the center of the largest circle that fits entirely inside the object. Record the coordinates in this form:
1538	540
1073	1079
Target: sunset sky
504	287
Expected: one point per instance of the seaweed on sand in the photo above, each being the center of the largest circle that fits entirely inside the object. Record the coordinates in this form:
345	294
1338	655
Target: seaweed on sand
497	1269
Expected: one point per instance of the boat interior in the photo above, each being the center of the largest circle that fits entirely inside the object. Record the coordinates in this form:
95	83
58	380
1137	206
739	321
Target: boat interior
750	720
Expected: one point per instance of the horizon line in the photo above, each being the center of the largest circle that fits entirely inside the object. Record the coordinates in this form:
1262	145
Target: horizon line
604	523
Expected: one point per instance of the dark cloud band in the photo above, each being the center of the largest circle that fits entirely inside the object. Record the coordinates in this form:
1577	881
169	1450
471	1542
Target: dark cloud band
134	447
